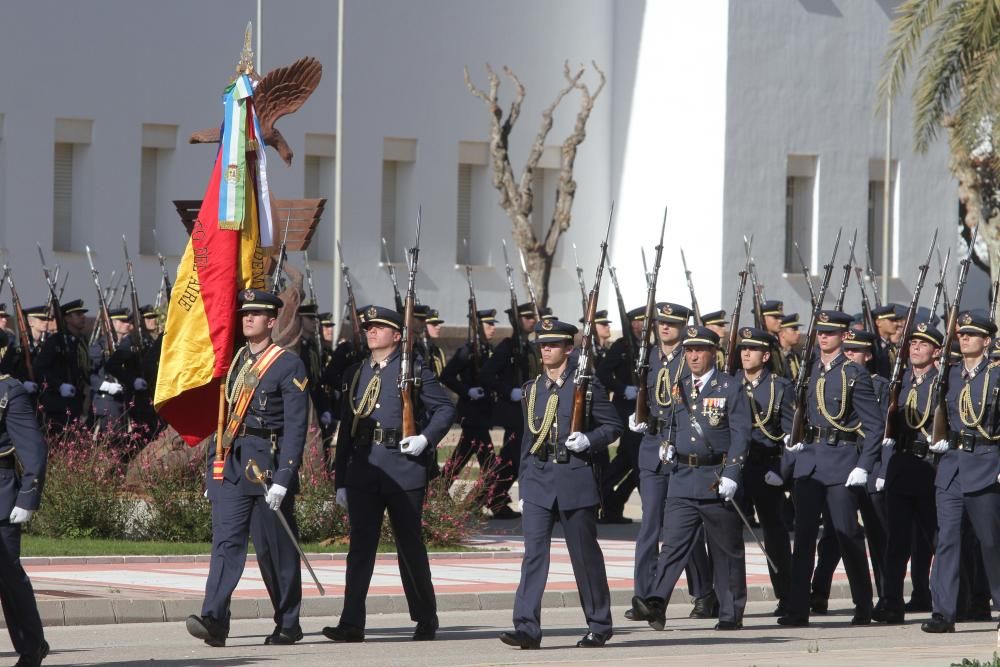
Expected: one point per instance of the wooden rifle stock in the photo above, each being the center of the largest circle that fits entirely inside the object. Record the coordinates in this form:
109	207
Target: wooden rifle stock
642	361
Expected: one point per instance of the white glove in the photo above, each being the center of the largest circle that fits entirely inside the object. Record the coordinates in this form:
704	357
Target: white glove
520	505
275	495
631	391
112	388
342	498
939	447
772	478
636	428
476	393
879	484
727	488
30	386
667	452
797	447
21	515
67	390
413	445
888	442
326	418
577	442
140	385
516	394
858	477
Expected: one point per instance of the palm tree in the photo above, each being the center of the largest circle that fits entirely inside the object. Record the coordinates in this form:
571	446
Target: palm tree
957	87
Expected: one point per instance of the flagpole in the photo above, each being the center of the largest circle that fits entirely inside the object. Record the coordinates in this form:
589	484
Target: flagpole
338	168
886	201
260	31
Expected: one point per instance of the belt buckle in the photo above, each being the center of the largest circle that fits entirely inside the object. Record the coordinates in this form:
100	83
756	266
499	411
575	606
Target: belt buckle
377	435
693	460
966	442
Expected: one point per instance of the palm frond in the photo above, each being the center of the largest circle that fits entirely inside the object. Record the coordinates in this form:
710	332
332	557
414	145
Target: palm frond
912	19
939	79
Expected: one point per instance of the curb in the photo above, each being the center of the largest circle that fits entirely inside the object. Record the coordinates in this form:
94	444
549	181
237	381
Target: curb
36	561
113	611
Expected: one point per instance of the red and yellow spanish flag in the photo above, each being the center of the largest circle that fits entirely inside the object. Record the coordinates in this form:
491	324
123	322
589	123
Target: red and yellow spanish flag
223	256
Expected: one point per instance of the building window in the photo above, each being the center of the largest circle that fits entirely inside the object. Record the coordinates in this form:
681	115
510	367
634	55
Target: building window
62	198
800	211
320	177
399	207
876	212
155	209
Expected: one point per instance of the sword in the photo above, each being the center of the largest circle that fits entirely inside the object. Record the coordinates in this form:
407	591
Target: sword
256	475
743	517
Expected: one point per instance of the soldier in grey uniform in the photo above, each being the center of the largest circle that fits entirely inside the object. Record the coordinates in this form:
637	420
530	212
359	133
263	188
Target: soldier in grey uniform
272	433
832	465
23	455
557	483
968	473
666	367
706	442
378	470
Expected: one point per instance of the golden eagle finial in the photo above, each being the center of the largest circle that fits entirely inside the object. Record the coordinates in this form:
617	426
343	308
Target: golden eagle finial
246	57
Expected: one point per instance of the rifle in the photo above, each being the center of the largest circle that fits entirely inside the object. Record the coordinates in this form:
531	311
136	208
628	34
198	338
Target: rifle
944	279
896	379
519	353
65	279
628	338
529	285
392	276
23	331
165	285
805	272
56	309
994	290
871	277
694	299
317	329
476	333
755	291
583	371
352	307
732	347
939	390
939	285
103	316
642	362
407	381
139	336
579	280
797	431
282	256
847	275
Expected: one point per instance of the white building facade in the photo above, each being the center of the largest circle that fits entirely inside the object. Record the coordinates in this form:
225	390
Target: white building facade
743	117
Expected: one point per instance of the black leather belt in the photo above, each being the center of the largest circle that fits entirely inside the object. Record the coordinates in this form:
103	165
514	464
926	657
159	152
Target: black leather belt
828	435
700	460
7	462
761	454
387	437
968	442
917	447
266	433
657	426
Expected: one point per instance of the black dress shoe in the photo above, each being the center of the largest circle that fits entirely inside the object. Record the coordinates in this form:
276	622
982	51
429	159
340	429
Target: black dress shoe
937	625
505	513
634	614
706	606
594	640
520	639
284	636
34	659
794	620
975	614
780	610
819	603
888	616
728	625
613	519
917	605
426	631
653	610
861	617
344	633
209	630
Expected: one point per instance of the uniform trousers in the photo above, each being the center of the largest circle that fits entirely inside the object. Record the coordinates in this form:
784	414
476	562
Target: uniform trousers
17	597
724	531
580	531
508	464
912	522
620	477
653	492
874	517
841	506
983	511
366	509
279	562
234	515
767	501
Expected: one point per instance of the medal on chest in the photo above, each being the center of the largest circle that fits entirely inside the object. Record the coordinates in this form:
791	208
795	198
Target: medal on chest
713	409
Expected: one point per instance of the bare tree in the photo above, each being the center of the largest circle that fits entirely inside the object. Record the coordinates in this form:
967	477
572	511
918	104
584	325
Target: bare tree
517	196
